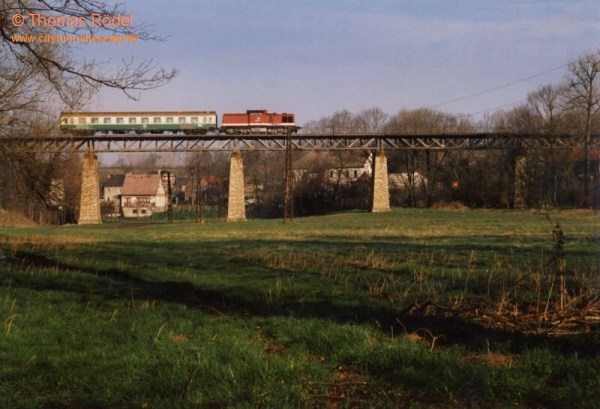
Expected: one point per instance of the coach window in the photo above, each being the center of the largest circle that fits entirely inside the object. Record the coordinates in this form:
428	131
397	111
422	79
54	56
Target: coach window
205	119
95	120
156	120
132	120
181	119
145	120
120	121
81	121
169	119
107	121
72	121
194	119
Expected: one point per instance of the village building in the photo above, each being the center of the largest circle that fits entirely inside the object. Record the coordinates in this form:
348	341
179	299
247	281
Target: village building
111	193
142	195
336	168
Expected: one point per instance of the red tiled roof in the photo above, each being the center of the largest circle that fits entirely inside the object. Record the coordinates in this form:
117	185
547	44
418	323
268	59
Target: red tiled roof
141	185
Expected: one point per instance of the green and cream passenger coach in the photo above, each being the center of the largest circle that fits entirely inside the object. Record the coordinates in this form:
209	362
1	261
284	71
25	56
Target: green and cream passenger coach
89	123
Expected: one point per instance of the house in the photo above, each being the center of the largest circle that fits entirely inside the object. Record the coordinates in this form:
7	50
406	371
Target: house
339	167
143	195
111	193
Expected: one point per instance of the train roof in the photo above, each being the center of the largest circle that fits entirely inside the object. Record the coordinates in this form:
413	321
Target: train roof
139	113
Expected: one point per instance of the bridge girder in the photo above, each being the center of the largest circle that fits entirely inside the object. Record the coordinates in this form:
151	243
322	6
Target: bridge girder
300	142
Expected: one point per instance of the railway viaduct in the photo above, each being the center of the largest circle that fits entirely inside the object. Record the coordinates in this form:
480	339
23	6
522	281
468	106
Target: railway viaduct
237	144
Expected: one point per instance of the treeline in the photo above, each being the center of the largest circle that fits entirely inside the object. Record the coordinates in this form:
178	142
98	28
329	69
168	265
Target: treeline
46	187
553	177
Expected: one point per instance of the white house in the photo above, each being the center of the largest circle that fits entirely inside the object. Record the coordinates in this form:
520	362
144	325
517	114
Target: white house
338	167
143	195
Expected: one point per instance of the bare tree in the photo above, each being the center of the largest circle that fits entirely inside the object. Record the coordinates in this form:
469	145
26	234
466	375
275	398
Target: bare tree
428	163
583	94
57	65
546	104
36	77
371	120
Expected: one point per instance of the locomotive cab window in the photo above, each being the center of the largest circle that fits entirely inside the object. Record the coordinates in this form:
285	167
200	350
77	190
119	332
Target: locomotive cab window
132	120
156	120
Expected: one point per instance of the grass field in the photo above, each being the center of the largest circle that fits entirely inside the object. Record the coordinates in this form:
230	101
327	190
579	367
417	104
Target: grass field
408	309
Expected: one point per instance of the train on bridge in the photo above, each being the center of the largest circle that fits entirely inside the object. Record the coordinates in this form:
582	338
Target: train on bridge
258	121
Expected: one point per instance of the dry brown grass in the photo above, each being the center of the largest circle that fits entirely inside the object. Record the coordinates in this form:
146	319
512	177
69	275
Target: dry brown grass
492	360
12	219
15	243
454	206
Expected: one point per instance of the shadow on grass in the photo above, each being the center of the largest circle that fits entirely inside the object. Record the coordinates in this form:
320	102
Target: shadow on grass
237	300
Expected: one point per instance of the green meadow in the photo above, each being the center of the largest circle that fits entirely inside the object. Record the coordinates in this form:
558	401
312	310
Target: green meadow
407	309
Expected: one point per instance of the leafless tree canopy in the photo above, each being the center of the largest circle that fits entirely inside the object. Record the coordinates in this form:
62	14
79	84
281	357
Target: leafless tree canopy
36	72
39	79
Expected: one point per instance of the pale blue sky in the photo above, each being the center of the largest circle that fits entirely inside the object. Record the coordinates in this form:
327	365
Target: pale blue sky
315	57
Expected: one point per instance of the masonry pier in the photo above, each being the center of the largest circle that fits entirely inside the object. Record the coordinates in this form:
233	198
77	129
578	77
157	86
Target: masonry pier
89	204
381	191
236	206
520	182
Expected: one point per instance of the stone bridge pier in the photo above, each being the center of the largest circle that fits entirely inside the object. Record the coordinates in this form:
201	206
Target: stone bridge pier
381	190
89	203
236	202
520	182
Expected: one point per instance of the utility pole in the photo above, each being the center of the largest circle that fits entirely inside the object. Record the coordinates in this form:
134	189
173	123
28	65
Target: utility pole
169	198
198	195
288	206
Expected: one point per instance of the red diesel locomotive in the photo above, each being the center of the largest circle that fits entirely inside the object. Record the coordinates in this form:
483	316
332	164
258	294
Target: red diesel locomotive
258	122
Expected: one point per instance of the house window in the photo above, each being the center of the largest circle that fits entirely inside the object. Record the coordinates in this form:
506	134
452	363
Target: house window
331	174
143	211
95	120
356	173
106	121
134	211
81	121
132	120
120	120
145	120
347	173
181	119
169	119
194	119
156	120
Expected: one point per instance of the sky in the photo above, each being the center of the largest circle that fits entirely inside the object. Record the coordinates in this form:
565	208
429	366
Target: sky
315	57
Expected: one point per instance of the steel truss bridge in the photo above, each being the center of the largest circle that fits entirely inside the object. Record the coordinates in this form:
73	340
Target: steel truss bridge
301	142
